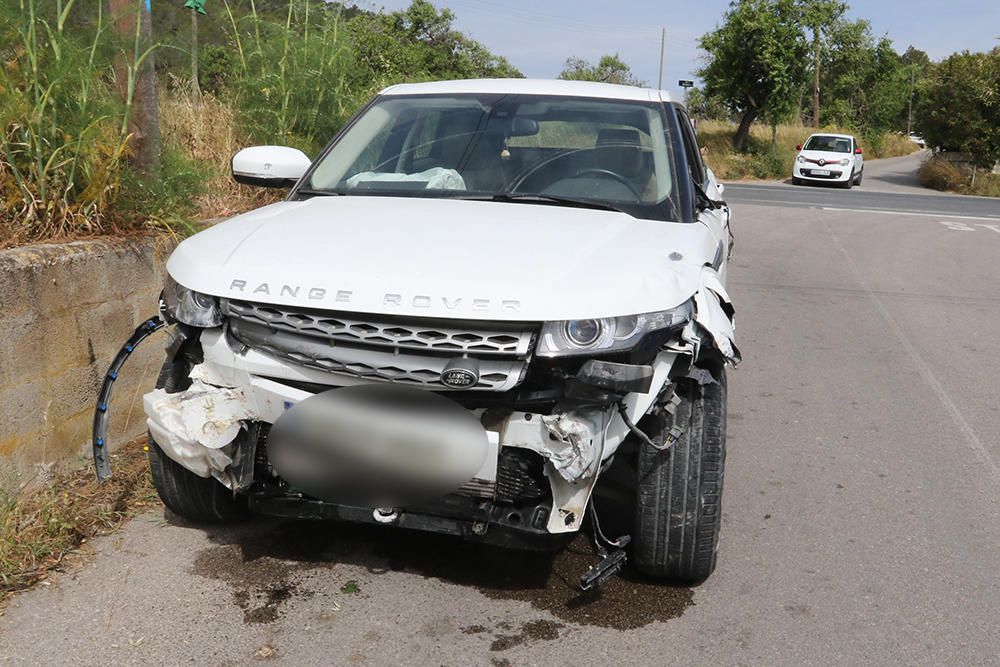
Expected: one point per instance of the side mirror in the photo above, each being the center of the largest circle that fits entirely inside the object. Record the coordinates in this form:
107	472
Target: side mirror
270	166
857	151
798	147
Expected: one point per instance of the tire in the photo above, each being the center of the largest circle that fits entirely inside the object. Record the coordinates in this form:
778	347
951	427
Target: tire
848	183
796	180
861	175
679	504
199	499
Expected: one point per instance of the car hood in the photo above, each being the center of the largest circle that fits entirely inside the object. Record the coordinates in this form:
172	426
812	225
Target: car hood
447	258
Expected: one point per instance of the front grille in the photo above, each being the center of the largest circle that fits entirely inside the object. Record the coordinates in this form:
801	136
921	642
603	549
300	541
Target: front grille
405	333
404	350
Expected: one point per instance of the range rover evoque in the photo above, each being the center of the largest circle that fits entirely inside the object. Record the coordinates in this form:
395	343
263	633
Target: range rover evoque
479	298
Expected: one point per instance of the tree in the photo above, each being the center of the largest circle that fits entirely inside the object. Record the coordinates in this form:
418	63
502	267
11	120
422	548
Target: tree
755	61
419	42
702	106
865	82
818	15
609	69
959	106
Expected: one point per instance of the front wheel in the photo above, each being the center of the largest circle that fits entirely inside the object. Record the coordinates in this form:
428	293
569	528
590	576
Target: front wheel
848	183
679	505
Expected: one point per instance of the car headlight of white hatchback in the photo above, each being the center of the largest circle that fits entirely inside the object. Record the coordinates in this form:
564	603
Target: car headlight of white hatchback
844	162
607	334
184	305
801	160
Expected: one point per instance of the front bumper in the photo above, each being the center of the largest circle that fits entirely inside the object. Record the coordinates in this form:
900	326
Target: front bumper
808	172
235	386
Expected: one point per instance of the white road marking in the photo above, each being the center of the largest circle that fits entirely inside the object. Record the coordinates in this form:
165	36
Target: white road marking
885	211
971	437
963	227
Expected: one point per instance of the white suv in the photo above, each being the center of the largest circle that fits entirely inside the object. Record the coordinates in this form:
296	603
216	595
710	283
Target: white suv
831	158
473	302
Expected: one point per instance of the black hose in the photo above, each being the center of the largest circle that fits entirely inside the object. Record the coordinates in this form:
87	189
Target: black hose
100	435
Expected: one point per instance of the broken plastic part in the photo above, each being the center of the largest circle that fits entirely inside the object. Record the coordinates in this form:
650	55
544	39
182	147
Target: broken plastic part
100	428
620	378
715	315
195	427
577	432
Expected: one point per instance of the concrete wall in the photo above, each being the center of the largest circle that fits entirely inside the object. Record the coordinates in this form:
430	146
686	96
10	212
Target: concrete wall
65	310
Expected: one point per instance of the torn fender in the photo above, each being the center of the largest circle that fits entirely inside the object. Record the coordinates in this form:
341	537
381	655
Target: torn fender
195	427
714	315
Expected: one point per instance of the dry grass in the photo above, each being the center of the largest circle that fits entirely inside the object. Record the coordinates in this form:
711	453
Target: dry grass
952	175
40	527
206	134
761	162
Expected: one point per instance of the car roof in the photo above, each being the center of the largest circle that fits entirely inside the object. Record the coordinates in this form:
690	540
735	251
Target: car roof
557	87
830	134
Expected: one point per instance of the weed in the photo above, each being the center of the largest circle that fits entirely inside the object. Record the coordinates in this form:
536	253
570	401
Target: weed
40	526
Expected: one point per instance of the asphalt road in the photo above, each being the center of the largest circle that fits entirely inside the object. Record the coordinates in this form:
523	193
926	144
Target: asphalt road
861	511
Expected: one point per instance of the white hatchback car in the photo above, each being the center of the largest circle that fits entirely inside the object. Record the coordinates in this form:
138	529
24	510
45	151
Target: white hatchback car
833	158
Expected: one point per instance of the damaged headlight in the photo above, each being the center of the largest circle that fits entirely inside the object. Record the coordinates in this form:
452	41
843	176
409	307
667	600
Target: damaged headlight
181	304
607	334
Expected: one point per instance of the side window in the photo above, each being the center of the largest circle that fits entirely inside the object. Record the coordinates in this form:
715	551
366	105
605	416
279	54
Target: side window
691	147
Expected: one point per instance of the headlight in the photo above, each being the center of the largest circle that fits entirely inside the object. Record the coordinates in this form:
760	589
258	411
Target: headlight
189	307
844	162
801	159
608	334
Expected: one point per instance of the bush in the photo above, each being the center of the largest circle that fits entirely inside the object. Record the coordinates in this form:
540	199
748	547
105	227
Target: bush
64	139
61	142
949	174
764	161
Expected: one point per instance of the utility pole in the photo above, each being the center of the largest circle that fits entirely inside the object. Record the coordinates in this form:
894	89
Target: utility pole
132	19
663	45
195	88
816	84
909	112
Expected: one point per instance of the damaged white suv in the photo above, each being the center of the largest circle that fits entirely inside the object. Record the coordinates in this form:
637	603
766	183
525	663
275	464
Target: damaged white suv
479	297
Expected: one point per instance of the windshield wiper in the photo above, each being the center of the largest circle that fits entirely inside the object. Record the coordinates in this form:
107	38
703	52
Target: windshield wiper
317	193
510	197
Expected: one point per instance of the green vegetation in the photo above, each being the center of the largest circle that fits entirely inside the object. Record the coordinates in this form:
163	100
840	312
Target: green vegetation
766	58
945	172
288	71
609	69
770	151
959	108
40	525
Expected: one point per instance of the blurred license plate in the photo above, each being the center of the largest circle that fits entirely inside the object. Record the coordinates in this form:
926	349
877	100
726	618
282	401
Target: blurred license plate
821	172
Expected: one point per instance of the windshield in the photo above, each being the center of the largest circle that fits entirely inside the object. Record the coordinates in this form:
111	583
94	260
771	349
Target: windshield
507	147
828	144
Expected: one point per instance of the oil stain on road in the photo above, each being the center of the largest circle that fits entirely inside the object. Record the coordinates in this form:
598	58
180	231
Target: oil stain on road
261	562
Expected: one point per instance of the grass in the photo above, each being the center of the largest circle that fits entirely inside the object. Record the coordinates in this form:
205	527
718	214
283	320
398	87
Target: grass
950	175
40	526
206	134
761	161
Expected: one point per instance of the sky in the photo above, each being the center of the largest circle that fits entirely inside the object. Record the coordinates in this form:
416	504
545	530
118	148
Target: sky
538	36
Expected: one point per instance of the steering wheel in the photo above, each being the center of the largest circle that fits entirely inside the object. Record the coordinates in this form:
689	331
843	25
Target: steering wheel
607	173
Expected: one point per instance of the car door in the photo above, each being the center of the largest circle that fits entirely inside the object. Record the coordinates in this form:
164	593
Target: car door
717	220
859	159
